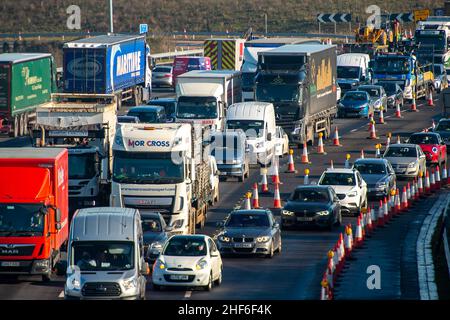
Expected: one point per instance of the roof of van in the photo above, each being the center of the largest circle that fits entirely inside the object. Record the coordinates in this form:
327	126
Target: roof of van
300	48
103	40
281	41
21	57
103	223
30	153
353	59
208	73
248	110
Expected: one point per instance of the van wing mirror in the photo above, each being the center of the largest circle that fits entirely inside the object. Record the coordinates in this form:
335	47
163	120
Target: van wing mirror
145	269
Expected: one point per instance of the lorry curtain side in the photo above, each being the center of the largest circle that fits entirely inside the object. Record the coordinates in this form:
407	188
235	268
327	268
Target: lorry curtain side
105	70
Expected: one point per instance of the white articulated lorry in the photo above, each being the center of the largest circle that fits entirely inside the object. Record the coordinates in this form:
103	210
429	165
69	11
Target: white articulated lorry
204	95
85	124
164	168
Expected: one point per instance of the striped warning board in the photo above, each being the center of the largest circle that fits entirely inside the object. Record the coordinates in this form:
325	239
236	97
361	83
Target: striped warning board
210	50
228	55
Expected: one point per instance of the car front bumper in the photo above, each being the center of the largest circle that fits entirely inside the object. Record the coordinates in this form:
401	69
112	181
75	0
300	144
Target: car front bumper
230	169
300	221
244	248
194	278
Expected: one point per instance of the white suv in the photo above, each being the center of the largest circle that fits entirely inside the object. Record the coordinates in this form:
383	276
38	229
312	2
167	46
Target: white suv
349	186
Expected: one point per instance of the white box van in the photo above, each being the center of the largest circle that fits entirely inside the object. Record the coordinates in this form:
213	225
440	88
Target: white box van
352	70
257	120
105	255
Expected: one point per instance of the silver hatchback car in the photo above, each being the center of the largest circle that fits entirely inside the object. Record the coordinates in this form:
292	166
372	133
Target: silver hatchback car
162	76
406	159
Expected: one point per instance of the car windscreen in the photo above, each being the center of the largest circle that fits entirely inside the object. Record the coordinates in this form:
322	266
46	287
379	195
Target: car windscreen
370	168
348	72
145	117
443	126
307	195
403	152
423	139
163	69
373	92
338	179
185	246
355	96
151	224
247	221
390	88
103	255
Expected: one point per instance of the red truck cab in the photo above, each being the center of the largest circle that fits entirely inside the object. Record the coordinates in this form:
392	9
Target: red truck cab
34	222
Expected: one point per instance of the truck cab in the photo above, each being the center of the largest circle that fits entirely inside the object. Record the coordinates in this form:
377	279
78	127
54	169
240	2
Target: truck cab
105	255
162	167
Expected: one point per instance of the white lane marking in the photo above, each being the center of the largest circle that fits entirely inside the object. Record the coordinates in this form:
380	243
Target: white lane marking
354	130
187	295
61	295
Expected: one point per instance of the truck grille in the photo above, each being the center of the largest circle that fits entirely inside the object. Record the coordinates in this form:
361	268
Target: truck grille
96	289
16	249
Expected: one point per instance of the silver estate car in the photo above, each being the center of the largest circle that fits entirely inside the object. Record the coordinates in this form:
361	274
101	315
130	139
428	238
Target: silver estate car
406	159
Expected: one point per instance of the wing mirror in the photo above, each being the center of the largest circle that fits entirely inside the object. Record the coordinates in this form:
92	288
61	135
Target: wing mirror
169	229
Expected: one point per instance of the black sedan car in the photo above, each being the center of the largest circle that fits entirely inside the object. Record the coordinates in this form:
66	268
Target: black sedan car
155	234
312	205
378	174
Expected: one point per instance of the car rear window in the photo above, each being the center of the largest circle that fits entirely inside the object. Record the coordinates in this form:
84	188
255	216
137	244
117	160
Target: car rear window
338	179
406	152
163	69
423	139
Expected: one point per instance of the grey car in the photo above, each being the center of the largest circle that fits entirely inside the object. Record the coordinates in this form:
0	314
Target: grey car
155	233
443	128
394	94
377	95
162	76
250	232
229	149
406	159
379	176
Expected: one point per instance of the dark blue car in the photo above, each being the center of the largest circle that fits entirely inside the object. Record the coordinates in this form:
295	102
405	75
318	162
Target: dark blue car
355	104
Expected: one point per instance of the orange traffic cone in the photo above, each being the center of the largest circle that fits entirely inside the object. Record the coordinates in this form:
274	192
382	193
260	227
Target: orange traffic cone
264	184
444	176
381	119
398	112
427	183
388	139
336	138
358	233
420	183
438	178
404	200
432	181
306	179
248	206
369	220
305	158
291	166
276	175
380	218
276	198
430	99
331	164
320	147
433	125
398	139
398	206
255	201
413	104
373	134
385	211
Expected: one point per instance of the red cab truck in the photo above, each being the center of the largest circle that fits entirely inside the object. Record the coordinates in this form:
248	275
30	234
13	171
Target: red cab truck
34	222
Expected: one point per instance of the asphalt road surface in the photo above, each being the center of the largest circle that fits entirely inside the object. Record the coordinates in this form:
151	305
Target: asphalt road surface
296	272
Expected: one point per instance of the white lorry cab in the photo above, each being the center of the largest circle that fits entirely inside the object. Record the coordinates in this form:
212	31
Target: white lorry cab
257	120
203	96
105	256
163	168
352	70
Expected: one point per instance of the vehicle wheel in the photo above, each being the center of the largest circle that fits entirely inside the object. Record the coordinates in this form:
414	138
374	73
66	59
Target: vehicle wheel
208	287
271	252
46	278
218	281
156	287
279	247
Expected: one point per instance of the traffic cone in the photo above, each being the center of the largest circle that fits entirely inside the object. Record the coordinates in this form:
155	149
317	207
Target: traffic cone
432	181
276	175
385	210
398	112
388	139
438	178
348	241
398	139
362	154
306	178
420	183
427	183
264	184
444	176
248	206
430	98
276	198
373	134
324	291
404	206
369	220
413	104
347	161
255	201
305	158
291	165
371	120
433	125
363	222
377	150
320	146
336	138
380	218
381	119
358	233
398	206
416	190
408	192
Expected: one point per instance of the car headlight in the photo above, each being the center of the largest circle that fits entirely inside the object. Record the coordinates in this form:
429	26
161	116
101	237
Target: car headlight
73	283
381	185
130	283
352	194
177	224
412	165
201	264
287	213
434	149
224	239
159	264
323	213
263	239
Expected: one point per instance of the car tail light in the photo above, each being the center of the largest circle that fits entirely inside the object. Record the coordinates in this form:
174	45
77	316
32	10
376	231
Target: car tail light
167	76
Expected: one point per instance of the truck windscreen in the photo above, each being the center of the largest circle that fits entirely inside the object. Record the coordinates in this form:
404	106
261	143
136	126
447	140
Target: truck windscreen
392	65
348	72
82	166
148	167
295	62
427	42
268	92
103	255
252	128
196	108
21	220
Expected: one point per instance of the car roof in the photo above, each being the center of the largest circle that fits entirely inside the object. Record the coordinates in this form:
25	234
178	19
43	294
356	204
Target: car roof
425	134
409	145
163	100
371	160
146	108
339	170
190	236
356	91
251	211
312	186
374	86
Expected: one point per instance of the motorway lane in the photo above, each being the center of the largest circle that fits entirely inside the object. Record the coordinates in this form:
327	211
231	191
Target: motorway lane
296	273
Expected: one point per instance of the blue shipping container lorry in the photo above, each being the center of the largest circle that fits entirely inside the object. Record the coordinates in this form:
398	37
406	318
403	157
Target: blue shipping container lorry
109	64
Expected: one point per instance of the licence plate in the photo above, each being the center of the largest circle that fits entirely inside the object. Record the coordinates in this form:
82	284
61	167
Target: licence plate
10	264
179	277
304	219
243	245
